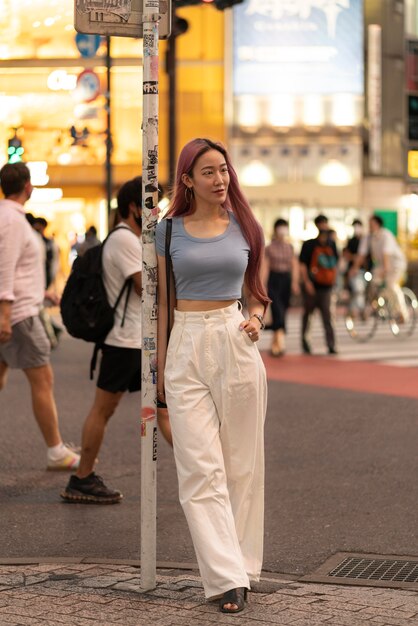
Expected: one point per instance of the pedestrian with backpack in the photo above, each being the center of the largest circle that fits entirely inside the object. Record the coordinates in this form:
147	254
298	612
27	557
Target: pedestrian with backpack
118	263
318	271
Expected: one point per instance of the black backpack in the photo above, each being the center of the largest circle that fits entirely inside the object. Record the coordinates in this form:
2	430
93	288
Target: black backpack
85	309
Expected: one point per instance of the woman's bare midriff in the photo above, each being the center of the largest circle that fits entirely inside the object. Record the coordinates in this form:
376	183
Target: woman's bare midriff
202	305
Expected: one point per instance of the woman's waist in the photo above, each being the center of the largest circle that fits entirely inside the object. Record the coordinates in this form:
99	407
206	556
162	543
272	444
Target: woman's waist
201	306
210	311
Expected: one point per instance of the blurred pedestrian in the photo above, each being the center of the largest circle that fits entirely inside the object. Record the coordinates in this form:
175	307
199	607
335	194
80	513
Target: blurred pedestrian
318	269
282	270
211	375
355	282
51	250
51	264
23	341
90	241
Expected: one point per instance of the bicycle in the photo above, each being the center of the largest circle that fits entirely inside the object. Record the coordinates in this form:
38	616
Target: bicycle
362	322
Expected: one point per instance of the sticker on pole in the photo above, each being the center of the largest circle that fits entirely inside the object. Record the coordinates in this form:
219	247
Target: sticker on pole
117	18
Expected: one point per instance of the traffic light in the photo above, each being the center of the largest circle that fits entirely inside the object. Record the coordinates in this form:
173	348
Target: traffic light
15	150
413	117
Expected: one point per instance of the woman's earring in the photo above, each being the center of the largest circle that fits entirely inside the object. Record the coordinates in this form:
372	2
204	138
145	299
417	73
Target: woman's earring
188	194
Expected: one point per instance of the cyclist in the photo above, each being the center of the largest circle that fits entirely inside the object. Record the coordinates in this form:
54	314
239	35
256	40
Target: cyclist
389	263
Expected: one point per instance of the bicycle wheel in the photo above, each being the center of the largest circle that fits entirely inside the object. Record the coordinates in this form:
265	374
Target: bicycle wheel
403	326
361	326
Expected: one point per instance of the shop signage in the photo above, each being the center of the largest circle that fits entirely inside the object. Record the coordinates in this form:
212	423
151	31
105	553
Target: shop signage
59	80
118	18
88	86
87	45
298	47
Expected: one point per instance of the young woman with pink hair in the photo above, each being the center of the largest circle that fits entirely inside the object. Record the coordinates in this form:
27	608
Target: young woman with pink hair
211	374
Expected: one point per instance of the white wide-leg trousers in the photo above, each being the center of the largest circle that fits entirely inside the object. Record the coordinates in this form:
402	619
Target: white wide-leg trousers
216	393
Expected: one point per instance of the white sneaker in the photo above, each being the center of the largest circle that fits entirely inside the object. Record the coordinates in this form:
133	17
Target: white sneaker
69	461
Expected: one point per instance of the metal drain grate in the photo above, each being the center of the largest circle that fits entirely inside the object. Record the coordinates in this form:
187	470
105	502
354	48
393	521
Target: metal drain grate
377	569
368	570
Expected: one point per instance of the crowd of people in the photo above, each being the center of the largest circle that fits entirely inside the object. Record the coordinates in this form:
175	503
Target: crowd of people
321	269
216	281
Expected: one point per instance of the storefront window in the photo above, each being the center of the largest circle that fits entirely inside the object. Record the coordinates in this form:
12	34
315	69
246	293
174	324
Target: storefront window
44	29
53	99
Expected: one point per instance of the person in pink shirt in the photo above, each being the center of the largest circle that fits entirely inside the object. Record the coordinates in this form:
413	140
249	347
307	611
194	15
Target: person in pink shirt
23	341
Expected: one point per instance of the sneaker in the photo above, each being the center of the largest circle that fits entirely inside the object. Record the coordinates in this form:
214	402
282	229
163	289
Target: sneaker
90	490
68	462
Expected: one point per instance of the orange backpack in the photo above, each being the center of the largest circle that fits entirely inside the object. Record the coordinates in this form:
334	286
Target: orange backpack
323	266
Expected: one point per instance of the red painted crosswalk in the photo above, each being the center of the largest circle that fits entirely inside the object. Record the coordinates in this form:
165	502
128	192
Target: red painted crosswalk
354	375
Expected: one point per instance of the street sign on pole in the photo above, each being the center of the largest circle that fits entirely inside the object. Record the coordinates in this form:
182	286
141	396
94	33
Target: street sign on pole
87	45
118	18
88	86
149	295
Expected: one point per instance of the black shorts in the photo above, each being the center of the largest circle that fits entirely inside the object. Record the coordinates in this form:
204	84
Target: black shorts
120	369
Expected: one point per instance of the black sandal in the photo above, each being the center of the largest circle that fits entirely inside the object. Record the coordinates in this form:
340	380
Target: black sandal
236	596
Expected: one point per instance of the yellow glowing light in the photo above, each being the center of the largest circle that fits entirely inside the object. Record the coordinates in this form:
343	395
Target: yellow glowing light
78	221
50	194
343	110
334	174
64	158
313	110
281	113
4	51
38	173
413	163
256	174
249	113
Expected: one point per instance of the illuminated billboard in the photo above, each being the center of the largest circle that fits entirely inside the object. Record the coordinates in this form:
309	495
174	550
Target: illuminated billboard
298	47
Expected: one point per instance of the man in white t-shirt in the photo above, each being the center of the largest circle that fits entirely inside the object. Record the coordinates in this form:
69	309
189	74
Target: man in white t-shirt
120	367
389	262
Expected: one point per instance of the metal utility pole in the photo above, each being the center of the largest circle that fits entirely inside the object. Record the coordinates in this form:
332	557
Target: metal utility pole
140	18
149	295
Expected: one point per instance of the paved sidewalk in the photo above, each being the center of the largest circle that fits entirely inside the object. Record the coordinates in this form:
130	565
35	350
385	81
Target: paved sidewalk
83	594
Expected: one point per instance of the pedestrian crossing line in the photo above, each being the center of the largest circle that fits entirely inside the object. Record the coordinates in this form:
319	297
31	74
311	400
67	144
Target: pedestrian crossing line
401	363
383	347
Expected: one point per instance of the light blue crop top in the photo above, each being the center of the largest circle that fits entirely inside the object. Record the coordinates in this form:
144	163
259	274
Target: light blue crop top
209	268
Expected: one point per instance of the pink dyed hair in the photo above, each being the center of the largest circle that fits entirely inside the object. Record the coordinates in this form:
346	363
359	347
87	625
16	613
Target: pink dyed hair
235	202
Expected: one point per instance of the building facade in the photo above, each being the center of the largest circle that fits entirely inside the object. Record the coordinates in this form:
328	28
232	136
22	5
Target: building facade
54	100
312	98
